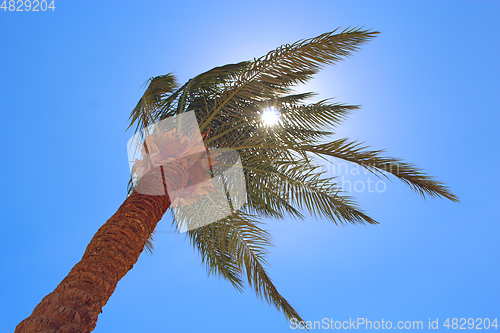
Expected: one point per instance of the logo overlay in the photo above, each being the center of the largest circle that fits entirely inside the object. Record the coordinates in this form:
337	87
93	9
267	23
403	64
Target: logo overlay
211	185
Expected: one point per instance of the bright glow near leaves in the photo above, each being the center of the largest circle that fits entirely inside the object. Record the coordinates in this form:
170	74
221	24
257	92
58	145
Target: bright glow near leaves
271	116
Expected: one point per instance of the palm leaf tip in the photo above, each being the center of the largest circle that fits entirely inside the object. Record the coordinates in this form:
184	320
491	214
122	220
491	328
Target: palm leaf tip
420	182
415	178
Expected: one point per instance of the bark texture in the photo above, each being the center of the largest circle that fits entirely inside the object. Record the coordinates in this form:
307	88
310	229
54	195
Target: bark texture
73	307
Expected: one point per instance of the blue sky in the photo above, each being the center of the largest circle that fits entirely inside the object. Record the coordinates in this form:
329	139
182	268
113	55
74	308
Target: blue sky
428	86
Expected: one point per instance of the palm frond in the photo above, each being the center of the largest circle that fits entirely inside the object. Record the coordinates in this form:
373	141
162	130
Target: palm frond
353	152
286	66
236	246
160	88
320	115
212	242
371	160
300	184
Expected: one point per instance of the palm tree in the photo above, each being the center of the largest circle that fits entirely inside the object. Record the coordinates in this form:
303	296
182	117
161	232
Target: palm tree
281	166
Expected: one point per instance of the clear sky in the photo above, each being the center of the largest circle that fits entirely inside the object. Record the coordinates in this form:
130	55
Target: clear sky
429	90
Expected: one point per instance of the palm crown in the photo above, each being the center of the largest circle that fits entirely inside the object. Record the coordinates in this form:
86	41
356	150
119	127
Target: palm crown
281	162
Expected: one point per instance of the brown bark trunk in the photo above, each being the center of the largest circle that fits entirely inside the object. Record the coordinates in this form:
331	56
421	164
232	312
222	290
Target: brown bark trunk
77	301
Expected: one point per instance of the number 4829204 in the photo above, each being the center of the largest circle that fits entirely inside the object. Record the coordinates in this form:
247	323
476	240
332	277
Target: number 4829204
27	5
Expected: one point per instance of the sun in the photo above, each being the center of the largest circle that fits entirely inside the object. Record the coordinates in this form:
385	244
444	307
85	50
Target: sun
271	116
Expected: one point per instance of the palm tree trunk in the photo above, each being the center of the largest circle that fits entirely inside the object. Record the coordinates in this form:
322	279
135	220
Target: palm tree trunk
77	301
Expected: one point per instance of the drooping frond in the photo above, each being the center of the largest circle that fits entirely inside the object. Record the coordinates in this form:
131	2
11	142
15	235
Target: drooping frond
235	247
212	241
302	186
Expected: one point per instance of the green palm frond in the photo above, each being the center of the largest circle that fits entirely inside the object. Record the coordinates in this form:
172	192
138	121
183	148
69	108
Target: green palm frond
280	162
408	173
302	186
287	66
212	242
235	247
160	90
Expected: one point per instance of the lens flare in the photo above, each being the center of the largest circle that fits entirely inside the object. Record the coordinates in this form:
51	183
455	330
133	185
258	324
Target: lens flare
271	116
